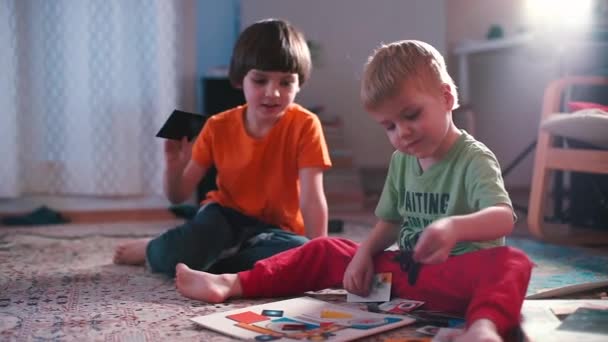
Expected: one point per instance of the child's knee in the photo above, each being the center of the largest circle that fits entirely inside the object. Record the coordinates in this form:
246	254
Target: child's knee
512	253
289	240
512	257
521	259
158	261
318	244
331	247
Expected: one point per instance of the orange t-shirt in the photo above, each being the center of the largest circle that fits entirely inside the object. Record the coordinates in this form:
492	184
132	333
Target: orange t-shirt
260	177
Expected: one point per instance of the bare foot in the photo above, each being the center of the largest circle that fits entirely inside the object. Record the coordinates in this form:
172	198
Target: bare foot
482	330
206	287
132	252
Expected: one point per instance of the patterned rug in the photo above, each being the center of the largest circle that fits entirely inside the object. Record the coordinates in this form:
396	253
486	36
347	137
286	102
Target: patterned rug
57	283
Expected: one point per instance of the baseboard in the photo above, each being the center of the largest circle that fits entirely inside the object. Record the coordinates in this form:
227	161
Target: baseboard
104	216
110	215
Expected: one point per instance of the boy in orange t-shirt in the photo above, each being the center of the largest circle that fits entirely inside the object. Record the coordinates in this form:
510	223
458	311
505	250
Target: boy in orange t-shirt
270	155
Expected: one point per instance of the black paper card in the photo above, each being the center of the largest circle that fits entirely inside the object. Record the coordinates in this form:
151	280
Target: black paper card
182	124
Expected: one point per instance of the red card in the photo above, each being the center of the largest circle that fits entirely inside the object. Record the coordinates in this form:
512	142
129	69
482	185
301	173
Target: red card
247	317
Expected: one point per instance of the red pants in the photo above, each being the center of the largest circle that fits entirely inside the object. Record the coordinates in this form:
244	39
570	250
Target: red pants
489	283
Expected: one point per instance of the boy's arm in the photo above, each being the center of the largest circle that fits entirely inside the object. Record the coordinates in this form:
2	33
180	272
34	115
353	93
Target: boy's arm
383	235
313	202
179	183
358	275
182	174
438	238
486	224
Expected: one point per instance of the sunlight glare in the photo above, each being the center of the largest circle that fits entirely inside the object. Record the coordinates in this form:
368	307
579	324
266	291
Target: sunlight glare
559	14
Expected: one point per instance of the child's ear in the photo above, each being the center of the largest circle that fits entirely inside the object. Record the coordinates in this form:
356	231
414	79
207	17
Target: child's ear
447	95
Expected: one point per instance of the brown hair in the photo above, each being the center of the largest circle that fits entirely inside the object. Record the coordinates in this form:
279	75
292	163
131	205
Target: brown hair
270	45
392	65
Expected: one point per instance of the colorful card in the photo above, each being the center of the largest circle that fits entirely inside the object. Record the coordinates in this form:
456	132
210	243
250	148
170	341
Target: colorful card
285	325
400	306
247	317
380	292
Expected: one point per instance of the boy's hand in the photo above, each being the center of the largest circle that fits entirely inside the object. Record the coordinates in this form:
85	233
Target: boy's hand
359	274
178	153
436	242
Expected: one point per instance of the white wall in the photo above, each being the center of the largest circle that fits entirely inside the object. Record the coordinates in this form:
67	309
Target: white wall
505	86
187	58
348	31
506	93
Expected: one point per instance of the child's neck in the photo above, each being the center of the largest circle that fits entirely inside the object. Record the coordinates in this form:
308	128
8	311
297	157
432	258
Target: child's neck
258	128
449	140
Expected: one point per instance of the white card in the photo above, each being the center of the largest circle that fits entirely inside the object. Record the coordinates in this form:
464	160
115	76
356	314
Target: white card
380	292
429	330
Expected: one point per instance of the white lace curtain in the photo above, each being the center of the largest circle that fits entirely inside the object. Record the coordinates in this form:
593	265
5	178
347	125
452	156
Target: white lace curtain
84	87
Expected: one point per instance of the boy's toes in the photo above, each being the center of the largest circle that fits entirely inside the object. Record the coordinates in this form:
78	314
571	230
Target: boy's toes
180	268
119	254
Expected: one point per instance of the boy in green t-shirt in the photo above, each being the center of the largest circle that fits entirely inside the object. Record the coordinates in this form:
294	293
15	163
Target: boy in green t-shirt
444	202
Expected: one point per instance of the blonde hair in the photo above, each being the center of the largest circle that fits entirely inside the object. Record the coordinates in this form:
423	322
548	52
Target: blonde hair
392	65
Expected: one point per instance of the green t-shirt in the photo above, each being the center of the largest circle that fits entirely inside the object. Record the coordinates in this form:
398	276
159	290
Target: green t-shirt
466	180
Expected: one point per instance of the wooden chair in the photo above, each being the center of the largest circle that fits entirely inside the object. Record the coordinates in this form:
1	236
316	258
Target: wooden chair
550	157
